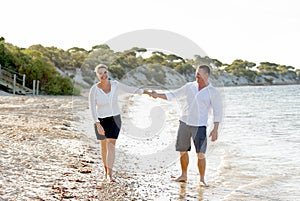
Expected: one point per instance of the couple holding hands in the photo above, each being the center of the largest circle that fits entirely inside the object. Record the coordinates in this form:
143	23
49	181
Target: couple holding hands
199	98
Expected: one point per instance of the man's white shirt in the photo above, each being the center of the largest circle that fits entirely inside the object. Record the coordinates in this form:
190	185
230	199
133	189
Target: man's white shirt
197	104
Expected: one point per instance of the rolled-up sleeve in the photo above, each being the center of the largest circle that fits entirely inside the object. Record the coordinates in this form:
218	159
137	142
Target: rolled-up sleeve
217	106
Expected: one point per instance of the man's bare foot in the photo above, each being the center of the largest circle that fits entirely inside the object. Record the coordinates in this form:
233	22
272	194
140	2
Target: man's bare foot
203	184
181	179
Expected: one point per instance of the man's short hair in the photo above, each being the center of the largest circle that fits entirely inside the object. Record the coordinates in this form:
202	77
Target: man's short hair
205	67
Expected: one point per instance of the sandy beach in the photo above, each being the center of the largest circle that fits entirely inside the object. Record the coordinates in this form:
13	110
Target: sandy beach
39	148
44	157
49	151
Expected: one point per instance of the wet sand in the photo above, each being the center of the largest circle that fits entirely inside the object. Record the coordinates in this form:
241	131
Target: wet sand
47	155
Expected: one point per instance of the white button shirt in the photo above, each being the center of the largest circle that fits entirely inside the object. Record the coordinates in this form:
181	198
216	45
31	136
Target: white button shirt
197	104
106	104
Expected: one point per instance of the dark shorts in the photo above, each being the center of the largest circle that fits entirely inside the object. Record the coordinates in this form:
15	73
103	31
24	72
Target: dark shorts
184	135
111	126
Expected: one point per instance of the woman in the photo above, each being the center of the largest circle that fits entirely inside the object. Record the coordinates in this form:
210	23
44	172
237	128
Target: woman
103	99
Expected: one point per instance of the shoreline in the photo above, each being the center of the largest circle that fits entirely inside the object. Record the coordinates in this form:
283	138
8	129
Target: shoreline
85	92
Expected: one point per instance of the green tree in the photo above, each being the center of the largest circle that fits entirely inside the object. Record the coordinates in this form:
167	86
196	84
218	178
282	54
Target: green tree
155	58
185	69
242	68
117	71
101	47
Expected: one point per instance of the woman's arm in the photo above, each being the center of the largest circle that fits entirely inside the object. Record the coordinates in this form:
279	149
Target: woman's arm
128	89
92	104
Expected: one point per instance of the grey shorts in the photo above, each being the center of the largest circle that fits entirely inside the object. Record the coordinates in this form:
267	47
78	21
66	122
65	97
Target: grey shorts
184	135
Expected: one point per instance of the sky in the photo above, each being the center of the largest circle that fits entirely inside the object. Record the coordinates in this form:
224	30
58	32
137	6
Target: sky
252	30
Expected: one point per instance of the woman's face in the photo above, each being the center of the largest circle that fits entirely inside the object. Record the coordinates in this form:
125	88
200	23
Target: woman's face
102	74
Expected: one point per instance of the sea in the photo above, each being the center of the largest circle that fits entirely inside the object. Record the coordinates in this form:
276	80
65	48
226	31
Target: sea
259	144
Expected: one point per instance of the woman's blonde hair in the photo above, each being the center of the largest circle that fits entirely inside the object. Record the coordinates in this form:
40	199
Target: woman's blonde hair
100	66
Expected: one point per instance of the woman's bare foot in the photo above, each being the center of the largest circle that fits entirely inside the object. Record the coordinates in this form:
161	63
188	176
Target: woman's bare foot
181	179
99	186
111	179
104	176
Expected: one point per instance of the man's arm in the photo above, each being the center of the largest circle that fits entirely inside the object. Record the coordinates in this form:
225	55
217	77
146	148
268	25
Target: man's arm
217	107
171	95
214	132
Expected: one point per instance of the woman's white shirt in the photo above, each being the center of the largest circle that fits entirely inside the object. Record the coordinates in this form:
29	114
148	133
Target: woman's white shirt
106	104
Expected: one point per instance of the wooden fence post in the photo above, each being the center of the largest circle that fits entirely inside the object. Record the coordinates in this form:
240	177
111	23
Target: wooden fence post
15	80
24	76
33	87
37	87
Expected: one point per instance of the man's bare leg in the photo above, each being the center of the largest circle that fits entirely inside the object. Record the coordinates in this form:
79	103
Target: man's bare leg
184	162
104	155
110	157
201	167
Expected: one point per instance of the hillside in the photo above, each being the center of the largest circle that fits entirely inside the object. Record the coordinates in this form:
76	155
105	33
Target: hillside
66	72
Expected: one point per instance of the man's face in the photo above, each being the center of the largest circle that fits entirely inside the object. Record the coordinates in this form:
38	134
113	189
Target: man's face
201	76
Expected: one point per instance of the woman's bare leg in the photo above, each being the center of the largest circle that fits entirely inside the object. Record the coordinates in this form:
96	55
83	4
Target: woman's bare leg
104	155
110	157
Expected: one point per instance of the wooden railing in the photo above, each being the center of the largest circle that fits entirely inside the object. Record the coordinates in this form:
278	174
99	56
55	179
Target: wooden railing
16	82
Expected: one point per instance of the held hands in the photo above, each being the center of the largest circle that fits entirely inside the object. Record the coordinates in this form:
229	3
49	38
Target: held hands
151	93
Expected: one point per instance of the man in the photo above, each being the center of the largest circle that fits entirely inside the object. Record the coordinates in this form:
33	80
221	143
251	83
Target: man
200	96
